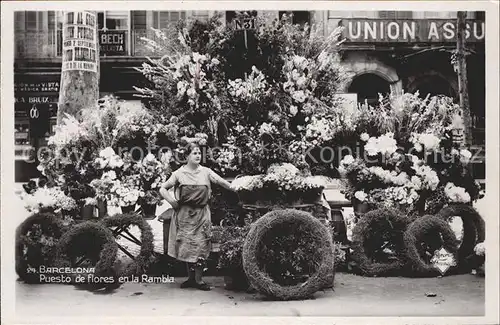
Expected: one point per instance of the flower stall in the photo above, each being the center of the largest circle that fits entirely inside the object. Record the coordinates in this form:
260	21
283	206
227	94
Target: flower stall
264	122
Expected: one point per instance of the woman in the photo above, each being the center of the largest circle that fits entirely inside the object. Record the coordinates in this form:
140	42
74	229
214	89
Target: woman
190	228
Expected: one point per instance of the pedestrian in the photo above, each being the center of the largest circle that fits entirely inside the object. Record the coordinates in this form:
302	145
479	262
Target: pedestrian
190	228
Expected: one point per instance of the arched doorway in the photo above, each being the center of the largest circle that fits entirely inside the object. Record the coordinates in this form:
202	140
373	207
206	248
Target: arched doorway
368	86
433	85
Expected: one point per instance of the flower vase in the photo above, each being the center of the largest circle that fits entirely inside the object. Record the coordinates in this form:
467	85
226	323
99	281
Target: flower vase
87	212
128	208
359	207
102	208
148	211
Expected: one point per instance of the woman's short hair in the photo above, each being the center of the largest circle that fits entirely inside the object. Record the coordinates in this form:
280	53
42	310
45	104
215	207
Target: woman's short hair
188	148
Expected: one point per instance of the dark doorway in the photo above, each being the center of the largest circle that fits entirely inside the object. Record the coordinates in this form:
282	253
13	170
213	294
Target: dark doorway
434	85
368	87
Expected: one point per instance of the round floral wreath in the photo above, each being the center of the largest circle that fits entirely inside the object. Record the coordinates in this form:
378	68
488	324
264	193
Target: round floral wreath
415	234
384	218
28	255
261	281
142	261
68	248
473	225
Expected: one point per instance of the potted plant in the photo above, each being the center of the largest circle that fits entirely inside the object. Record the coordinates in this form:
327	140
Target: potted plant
148	203
230	258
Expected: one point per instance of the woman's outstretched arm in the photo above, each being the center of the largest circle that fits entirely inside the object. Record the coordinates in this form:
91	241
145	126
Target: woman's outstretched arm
215	178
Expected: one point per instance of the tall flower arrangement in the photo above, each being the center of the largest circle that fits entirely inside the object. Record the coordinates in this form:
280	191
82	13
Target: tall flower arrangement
283	89
407	158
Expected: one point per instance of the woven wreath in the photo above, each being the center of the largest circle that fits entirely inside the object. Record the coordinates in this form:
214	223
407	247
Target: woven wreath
36	240
144	259
474	229
92	241
417	233
369	232
268	226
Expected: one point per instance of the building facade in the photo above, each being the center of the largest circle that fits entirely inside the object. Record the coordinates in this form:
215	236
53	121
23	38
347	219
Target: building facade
384	50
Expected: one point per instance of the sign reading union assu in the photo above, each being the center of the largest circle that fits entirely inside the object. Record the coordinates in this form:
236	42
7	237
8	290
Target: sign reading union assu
112	42
418	30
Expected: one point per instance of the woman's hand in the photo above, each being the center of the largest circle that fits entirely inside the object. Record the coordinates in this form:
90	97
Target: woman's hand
174	203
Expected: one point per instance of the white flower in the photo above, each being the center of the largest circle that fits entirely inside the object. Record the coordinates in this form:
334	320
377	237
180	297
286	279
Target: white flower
293	110
107	152
299	96
347	160
365	136
465	155
480	249
456	193
301	81
361	196
191	92
150	157
385	144
215	61
110	175
416	183
429	141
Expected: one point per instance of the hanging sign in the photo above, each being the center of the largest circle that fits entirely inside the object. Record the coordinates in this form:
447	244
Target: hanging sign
79	42
443	260
245	23
407	30
112	42
36	86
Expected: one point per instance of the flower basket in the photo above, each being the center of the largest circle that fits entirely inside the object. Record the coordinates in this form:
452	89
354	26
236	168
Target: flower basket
148	210
360	207
87	212
102	208
128	208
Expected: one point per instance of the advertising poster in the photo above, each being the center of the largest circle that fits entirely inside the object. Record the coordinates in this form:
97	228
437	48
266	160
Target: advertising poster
80	39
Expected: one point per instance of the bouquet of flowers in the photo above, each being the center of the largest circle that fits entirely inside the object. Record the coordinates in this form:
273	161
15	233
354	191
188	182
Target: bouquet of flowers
48	198
126	192
282	183
108	159
105	184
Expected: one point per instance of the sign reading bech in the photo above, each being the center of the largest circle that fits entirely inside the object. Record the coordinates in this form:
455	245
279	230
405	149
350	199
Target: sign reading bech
411	31
79	42
112	42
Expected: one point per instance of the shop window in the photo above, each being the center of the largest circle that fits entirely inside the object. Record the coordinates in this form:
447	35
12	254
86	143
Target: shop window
395	14
114	20
164	19
368	87
33	20
139	20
